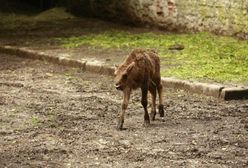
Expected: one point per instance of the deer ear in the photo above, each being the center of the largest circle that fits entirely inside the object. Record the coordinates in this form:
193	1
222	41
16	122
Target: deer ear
130	67
116	66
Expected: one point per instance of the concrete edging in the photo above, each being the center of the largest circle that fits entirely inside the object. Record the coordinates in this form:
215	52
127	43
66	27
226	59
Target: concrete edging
214	90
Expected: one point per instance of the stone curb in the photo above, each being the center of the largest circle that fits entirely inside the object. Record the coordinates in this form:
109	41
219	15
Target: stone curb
214	90
193	87
234	93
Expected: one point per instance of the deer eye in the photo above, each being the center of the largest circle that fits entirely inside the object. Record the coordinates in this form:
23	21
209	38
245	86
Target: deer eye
124	76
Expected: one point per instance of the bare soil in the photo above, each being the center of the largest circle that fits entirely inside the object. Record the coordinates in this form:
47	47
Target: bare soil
55	116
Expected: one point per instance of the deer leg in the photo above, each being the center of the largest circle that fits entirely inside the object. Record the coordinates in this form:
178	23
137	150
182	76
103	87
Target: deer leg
126	97
160	106
154	94
144	104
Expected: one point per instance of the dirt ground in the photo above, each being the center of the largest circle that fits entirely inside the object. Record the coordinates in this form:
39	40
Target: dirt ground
55	116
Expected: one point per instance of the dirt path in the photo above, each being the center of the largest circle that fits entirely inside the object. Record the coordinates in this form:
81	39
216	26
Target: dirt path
53	116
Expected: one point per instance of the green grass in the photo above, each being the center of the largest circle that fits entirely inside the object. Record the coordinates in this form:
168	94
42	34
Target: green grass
205	57
35	121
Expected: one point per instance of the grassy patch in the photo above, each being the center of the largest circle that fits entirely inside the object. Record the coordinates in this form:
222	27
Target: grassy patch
205	57
35	121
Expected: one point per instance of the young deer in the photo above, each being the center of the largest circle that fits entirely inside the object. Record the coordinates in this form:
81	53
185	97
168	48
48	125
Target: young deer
140	69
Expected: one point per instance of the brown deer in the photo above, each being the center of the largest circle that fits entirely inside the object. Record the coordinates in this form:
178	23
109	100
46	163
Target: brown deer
140	69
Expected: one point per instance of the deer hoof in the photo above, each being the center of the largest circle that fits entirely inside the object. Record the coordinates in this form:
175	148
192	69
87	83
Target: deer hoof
120	125
152	116
146	123
161	110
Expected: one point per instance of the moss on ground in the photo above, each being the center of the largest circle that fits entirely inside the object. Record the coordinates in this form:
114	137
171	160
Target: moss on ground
205	57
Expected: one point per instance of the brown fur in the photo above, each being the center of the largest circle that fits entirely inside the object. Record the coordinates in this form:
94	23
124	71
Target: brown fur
140	69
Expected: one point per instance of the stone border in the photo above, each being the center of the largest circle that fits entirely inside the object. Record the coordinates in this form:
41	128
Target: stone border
214	90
